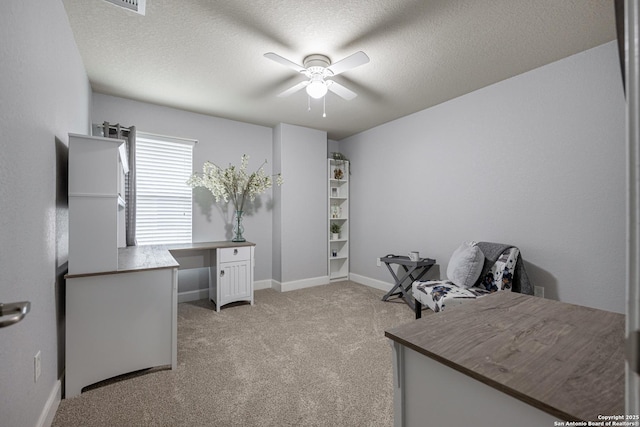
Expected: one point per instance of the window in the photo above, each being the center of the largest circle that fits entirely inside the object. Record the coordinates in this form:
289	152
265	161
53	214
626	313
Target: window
164	200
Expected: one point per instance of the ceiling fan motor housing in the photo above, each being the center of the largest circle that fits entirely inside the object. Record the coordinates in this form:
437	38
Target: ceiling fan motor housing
317	64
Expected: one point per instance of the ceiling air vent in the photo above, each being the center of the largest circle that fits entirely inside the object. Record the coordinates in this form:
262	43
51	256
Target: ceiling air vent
137	6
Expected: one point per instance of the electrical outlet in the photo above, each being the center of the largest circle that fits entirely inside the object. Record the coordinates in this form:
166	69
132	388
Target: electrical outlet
378	262
538	291
37	366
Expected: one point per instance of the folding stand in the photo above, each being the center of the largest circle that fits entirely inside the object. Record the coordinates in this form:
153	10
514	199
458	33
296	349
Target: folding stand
423	264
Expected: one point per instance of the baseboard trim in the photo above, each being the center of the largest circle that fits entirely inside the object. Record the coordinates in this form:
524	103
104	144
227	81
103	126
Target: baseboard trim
199	294
291	286
300	284
51	406
193	295
262	284
372	283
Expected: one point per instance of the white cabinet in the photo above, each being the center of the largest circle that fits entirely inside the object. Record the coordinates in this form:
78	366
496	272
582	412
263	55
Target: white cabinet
338	217
427	392
96	203
120	322
232	277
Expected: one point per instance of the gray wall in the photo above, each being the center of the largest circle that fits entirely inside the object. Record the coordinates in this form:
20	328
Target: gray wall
221	141
332	146
44	94
302	219
537	161
277	208
289	234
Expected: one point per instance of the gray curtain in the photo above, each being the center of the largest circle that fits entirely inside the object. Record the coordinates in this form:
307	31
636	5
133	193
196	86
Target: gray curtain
129	136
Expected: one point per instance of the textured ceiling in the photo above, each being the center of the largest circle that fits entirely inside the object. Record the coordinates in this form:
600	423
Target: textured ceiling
206	56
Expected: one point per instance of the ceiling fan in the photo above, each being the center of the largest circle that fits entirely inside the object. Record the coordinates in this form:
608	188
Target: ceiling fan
319	69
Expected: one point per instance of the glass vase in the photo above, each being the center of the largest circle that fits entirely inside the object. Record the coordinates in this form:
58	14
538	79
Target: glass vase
238	228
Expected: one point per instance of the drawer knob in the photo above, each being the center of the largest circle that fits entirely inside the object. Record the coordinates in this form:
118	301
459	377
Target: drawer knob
221	273
235	252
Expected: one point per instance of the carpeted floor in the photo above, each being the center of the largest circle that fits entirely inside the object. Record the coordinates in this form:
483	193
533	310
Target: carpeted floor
312	357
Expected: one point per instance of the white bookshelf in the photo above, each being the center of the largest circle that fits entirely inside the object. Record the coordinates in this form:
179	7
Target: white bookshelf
338	213
97	167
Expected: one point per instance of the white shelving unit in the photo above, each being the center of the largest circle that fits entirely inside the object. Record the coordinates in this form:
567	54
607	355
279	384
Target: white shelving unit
338	213
97	168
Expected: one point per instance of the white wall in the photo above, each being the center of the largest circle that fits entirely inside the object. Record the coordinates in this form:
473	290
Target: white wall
332	146
277	208
302	219
220	141
44	94
536	161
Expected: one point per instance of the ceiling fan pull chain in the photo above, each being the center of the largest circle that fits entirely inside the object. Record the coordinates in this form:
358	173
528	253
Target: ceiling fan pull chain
324	106
308	103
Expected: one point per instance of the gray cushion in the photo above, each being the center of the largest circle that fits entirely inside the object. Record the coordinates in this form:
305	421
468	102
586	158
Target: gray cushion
465	265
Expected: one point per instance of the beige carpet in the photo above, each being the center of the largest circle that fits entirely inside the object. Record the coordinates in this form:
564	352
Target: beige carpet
312	357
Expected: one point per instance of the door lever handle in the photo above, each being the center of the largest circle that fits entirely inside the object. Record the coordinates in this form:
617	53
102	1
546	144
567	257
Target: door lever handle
14	312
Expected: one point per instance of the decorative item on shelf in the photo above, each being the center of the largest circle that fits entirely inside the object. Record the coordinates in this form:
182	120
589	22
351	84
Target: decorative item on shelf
334	192
337	173
234	184
339	159
335	230
334	253
335	211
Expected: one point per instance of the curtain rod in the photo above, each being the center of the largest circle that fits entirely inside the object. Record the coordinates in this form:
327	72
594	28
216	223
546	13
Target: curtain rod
110	126
149	134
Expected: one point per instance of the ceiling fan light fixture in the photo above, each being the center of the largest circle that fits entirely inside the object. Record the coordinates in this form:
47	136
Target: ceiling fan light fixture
317	88
318	67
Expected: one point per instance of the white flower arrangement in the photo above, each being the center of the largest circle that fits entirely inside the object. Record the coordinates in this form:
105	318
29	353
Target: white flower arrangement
233	183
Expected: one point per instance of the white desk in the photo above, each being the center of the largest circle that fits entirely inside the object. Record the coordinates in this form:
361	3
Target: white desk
230	266
121	321
509	359
125	320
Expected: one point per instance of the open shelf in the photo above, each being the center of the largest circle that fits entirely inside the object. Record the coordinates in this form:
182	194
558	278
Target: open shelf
338	213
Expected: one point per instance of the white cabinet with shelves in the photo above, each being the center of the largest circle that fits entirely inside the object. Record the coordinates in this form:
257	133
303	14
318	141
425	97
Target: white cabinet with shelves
338	218
96	203
120	302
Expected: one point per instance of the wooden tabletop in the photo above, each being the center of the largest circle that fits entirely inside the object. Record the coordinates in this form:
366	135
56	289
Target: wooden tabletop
564	359
207	245
151	257
155	257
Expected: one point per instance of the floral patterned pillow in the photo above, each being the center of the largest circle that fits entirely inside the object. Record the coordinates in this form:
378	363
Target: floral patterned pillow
500	276
440	294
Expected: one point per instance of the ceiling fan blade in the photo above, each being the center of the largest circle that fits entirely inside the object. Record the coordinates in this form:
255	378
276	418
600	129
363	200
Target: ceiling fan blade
284	61
340	90
294	89
353	61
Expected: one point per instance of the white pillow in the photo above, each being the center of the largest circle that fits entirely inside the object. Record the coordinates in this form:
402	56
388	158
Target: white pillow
465	265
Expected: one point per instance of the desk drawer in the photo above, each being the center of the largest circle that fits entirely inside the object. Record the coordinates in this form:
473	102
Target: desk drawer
235	254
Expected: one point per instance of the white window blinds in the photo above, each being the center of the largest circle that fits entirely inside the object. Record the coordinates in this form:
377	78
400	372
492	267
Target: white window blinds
164	200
